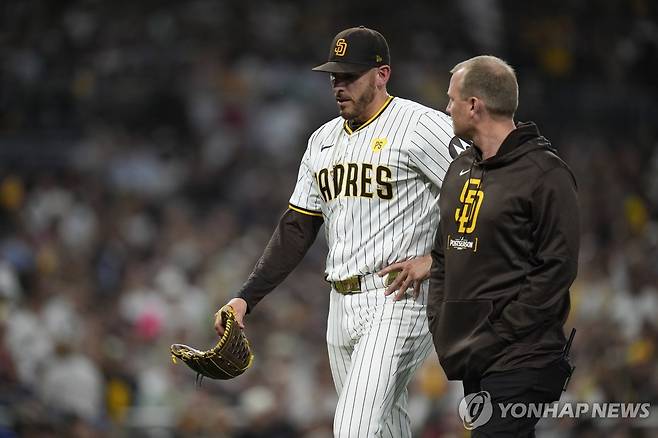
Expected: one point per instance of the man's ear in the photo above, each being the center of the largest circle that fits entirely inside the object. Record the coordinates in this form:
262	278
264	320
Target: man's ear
383	75
477	105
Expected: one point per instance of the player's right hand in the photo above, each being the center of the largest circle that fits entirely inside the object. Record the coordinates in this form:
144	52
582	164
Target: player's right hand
240	307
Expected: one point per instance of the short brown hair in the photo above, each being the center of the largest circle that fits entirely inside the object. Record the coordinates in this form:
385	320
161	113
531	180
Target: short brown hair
492	80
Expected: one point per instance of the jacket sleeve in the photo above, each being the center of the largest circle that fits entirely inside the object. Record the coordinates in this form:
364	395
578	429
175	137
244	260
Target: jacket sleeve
290	241
554	258
437	277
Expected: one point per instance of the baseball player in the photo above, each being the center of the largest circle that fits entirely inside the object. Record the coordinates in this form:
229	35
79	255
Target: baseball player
372	176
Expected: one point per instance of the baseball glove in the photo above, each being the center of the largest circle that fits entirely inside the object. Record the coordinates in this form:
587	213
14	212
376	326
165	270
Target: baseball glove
229	358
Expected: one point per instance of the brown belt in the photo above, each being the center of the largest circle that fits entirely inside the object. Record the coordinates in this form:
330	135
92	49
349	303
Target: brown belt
352	285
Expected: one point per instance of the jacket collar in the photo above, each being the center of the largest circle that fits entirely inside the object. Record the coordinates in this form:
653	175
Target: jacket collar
523	133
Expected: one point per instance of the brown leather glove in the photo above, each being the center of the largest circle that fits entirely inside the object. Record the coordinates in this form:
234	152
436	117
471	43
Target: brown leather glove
229	358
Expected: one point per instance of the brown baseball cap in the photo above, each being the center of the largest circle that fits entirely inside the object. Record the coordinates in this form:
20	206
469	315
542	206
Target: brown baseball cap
355	50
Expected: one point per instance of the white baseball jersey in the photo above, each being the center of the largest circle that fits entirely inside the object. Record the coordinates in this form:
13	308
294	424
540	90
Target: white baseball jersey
376	187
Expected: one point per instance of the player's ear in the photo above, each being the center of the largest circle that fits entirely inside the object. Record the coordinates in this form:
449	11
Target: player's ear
383	74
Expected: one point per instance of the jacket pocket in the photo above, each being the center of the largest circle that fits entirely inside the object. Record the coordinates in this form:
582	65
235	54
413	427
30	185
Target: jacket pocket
465	340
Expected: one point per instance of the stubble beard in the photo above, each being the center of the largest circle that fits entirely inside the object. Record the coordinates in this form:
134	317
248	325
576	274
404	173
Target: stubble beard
358	112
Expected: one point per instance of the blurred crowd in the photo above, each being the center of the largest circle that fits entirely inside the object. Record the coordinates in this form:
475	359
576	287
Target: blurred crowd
147	150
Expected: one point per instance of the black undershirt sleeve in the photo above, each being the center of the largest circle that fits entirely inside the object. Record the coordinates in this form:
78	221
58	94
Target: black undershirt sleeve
292	238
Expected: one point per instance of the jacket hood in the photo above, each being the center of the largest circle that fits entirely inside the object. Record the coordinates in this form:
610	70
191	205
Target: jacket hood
525	138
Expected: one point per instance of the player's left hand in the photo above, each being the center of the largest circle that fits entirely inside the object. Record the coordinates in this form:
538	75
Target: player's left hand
411	273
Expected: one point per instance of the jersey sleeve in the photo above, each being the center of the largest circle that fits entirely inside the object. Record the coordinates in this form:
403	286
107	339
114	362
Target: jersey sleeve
305	198
292	238
429	145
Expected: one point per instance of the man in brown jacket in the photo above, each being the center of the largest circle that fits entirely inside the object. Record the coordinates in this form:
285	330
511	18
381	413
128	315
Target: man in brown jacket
505	253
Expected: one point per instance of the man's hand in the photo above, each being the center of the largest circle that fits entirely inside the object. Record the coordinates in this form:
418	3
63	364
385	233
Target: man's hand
411	273
240	307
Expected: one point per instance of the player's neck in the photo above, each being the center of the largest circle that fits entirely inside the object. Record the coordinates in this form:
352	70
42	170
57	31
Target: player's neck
373	108
490	136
